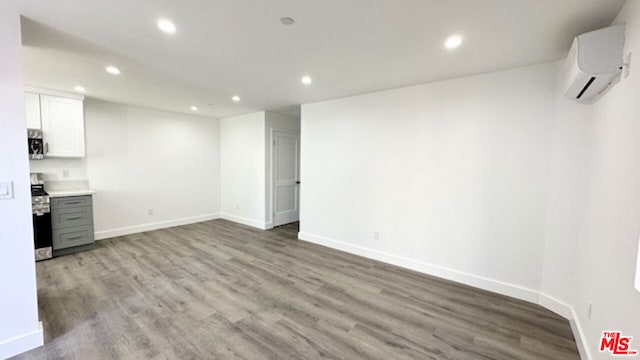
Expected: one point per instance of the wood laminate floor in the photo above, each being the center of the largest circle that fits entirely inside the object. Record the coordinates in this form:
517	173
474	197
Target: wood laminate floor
218	290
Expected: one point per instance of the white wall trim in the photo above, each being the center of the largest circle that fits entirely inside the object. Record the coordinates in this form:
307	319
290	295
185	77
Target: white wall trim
568	312
245	221
581	340
481	282
556	306
106	234
22	343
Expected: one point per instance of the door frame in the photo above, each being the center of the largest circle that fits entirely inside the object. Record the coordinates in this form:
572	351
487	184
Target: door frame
272	184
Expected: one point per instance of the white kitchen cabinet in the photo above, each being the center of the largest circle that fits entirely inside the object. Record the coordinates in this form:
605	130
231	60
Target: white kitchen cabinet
62	126
32	104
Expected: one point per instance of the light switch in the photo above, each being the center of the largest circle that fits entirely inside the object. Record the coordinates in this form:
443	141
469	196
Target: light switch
6	190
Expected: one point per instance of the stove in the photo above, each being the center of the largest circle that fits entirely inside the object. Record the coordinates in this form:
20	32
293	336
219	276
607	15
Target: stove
41	212
39	199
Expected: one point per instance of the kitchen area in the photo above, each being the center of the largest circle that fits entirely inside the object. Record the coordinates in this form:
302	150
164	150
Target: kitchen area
62	208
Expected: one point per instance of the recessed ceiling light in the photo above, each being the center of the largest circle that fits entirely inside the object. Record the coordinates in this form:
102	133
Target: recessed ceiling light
306	80
194	108
453	42
235	98
287	21
112	70
167	26
79	89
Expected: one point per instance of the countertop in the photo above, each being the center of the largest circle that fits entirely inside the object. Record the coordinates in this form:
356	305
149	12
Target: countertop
68	188
65	193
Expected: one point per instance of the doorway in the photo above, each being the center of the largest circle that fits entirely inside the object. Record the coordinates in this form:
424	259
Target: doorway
285	176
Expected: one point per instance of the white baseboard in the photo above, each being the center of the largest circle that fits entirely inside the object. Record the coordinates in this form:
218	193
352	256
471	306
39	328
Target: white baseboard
245	221
556	306
568	312
481	282
19	344
106	234
581	340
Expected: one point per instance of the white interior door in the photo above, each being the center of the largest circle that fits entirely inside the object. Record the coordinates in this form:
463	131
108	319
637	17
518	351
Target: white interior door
286	172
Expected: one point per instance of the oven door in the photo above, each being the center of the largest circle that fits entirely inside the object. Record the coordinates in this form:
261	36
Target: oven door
42	236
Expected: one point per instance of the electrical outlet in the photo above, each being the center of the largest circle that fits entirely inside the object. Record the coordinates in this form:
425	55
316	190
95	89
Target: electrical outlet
65	173
376	235
150	212
589	308
237	206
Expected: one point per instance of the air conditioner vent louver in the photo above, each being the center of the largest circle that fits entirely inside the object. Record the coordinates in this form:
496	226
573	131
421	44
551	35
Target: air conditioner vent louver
586	87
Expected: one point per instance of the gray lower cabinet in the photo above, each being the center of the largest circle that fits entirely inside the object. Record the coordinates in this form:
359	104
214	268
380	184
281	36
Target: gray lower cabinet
72	224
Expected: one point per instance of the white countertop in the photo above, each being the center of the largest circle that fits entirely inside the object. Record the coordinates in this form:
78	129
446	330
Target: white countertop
65	193
68	188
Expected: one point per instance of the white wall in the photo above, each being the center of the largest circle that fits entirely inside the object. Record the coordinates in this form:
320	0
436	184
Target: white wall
139	159
243	169
19	328
274	121
452	176
594	205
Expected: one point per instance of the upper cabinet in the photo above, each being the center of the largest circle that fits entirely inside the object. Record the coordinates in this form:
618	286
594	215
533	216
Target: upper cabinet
32	102
62	126
61	120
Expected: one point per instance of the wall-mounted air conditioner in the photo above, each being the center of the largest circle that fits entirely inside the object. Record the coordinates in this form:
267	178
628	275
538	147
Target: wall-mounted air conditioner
594	64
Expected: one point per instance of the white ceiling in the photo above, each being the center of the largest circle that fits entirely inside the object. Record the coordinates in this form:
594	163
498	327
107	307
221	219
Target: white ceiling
227	47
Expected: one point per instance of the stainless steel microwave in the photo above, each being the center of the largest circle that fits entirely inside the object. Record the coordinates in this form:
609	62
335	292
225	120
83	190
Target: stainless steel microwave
36	144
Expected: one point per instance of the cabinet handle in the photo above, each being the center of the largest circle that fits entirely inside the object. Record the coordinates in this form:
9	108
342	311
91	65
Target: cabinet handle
46	148
75	218
72	202
75	237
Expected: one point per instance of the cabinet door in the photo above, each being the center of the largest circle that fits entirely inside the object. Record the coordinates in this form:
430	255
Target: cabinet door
32	104
73	236
62	126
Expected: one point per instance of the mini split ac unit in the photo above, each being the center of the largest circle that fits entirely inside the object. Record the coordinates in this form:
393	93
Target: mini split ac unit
594	64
